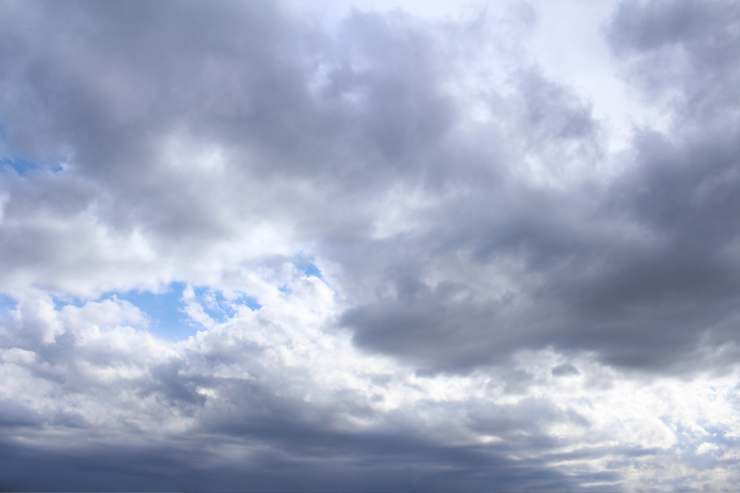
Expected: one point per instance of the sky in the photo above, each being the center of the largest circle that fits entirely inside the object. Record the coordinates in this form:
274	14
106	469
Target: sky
370	246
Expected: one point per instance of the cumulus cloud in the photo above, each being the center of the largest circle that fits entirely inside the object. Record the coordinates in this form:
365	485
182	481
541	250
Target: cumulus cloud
410	256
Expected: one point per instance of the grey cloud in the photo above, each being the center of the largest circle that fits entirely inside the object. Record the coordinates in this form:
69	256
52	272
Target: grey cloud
681	51
326	136
148	467
643	26
354	115
641	269
177	389
524	421
564	370
348	118
251	438
14	414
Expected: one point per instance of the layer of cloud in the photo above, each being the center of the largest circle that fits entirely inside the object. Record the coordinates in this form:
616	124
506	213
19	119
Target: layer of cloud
492	283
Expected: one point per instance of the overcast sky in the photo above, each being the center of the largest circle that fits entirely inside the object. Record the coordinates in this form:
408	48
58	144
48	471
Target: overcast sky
371	246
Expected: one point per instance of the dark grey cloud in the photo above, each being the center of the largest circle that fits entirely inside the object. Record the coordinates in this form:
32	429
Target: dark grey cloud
564	370
277	445
462	218
253	439
680	52
152	467
14	414
641	270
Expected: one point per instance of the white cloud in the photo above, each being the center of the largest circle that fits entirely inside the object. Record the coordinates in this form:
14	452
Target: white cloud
516	286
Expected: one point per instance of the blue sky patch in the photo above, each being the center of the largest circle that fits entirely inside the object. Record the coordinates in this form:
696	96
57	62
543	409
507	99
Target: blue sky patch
25	167
214	304
166	309
219	308
62	301
6	303
250	301
305	264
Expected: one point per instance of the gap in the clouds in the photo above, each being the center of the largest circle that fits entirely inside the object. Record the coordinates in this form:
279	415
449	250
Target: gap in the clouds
25	167
305	265
7	303
165	308
218	308
62	301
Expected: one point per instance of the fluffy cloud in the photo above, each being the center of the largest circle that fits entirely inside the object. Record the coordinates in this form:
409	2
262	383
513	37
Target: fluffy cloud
410	258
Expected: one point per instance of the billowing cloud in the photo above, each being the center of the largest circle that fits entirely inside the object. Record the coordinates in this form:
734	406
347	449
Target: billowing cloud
249	246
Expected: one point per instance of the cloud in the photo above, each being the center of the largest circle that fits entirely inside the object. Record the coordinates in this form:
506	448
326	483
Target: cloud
564	370
409	255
